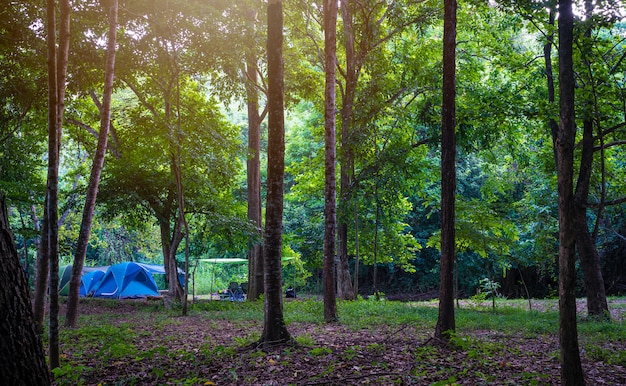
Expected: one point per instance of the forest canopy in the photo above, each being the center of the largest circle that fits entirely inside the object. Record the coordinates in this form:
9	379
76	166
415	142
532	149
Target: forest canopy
184	64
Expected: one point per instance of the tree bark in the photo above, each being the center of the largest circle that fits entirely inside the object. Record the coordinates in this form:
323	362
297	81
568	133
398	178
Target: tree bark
170	241
330	136
43	271
547	56
57	74
445	321
571	369
274	328
71	315
21	350
255	249
597	305
344	285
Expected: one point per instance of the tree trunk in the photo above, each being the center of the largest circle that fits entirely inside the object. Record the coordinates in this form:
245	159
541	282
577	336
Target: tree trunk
344	285
597	305
375	254
330	186
547	56
170	240
21	351
356	253
255	255
57	74
71	315
445	321
274	328
571	369
43	271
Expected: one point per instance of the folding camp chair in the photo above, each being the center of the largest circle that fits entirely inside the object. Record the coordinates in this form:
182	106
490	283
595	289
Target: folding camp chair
235	292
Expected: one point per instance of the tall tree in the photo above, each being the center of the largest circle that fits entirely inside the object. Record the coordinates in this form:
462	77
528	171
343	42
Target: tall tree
255	249
571	369
351	74
21	350
57	75
71	316
445	321
597	305
274	328
330	186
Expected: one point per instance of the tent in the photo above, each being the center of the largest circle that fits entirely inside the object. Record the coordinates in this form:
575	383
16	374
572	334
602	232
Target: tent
65	273
159	269
88	282
126	280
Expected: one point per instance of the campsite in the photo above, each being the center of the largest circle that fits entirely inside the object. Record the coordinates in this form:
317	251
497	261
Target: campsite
312	192
140	342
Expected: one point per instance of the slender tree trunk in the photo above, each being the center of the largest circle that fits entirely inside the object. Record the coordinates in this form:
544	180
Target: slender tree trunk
170	241
43	271
597	305
255	250
375	254
445	321
344	284
182	293
356	253
274	328
57	73
71	316
21	350
175	288
330	186
571	369
25	248
547	56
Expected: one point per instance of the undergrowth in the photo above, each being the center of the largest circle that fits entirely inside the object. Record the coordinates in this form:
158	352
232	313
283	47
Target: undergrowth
483	337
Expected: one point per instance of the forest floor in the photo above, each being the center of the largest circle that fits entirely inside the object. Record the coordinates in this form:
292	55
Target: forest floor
141	343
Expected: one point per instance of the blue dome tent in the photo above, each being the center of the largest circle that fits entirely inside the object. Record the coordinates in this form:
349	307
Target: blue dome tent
90	282
126	280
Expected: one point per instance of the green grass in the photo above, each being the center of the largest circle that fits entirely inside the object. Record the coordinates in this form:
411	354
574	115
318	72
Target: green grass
108	338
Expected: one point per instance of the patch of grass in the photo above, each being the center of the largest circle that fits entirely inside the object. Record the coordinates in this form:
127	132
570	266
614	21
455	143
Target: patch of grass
364	314
376	348
594	330
508	320
70	375
306	311
607	354
320	351
230	310
305	340
247	340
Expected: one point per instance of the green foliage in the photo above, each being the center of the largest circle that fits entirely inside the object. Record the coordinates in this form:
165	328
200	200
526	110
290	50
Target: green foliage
182	63
305	340
70	375
489	287
319	351
244	341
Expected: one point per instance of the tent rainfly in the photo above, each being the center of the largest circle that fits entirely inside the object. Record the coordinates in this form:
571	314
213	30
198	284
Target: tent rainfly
126	280
89	280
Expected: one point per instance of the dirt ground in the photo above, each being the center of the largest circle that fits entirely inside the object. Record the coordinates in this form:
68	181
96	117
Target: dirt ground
203	350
